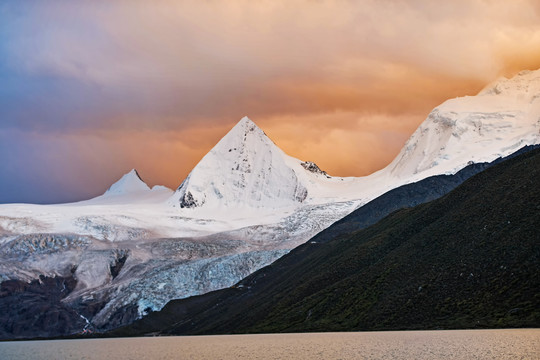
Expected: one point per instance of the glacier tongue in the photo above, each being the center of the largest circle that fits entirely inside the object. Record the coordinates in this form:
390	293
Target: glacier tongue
244	169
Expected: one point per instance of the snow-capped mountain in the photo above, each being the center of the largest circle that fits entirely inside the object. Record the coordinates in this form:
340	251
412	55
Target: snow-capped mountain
247	171
130	189
502	118
244	169
246	203
128	184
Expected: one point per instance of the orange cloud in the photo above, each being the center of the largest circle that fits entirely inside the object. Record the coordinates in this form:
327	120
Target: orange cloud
154	85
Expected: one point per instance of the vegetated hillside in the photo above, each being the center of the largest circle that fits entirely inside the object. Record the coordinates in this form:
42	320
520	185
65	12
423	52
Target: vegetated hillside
467	260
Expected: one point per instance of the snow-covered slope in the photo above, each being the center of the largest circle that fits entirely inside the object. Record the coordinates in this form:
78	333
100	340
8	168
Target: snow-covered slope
247	172
245	204
130	189
244	169
502	118
246	180
128	184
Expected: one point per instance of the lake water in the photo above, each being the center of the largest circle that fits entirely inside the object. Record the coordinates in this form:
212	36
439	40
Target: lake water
451	344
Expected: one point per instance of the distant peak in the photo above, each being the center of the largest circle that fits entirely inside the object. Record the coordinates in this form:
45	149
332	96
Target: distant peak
134	172
129	183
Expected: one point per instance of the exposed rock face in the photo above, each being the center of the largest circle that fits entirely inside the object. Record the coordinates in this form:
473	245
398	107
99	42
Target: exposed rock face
121	257
187	200
312	167
36	309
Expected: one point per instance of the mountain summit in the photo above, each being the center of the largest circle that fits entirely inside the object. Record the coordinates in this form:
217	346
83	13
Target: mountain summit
501	119
129	183
245	168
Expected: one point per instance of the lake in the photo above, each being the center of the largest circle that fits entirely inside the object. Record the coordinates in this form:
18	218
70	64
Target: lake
444	344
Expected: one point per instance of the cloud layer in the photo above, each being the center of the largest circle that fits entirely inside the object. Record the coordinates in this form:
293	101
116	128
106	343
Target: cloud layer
92	89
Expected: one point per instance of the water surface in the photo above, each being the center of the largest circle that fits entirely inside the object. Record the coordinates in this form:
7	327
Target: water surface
451	344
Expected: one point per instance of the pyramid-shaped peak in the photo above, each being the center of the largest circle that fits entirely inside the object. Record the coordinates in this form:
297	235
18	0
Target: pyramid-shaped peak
243	136
244	127
134	172
128	183
246	122
245	168
247	125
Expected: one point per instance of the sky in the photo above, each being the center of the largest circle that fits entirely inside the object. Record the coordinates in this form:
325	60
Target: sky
91	89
